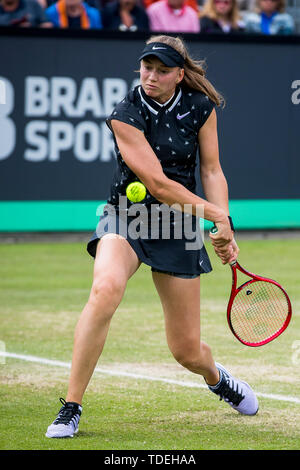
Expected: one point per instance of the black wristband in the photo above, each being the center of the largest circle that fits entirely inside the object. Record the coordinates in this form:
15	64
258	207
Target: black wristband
231	223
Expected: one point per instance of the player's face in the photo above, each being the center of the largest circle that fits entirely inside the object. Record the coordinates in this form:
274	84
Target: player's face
158	80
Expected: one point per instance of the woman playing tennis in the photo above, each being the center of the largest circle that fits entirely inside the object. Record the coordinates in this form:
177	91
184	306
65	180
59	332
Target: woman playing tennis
158	129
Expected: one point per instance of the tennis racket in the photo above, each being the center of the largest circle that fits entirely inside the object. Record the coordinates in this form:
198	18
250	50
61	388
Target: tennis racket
259	310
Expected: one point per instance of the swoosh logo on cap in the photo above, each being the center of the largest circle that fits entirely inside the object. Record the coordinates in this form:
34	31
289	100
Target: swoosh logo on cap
180	116
154	48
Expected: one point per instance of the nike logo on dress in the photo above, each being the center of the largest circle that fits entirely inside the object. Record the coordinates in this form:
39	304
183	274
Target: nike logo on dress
155	48
180	116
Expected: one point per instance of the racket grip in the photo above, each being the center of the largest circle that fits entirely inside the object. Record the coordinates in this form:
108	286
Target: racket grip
215	230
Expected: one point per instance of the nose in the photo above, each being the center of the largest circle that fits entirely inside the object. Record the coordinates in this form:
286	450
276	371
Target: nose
153	76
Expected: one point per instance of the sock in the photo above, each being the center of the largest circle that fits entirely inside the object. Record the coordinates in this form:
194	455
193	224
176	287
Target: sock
216	386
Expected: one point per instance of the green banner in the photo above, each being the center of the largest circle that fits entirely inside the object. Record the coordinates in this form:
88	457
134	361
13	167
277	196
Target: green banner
39	216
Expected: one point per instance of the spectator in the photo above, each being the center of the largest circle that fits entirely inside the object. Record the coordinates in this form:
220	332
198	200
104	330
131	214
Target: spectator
74	14
191	3
221	16
270	18
125	15
92	3
173	16
43	3
24	13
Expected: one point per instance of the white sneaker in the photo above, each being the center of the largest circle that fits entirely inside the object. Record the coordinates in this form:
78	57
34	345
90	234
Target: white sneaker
67	421
238	394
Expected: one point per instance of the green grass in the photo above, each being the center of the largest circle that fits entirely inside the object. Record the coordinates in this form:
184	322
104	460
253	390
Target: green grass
43	290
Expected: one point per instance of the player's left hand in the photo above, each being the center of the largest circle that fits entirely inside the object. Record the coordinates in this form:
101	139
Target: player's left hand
227	253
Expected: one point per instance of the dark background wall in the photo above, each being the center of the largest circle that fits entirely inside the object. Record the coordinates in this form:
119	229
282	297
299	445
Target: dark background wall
54	144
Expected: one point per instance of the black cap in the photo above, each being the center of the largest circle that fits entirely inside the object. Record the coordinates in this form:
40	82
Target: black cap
169	56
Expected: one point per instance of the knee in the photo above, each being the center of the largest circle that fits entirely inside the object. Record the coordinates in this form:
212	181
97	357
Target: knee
189	362
190	355
187	355
107	291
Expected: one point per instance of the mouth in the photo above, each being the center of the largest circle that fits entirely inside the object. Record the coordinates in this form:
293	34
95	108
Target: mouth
151	87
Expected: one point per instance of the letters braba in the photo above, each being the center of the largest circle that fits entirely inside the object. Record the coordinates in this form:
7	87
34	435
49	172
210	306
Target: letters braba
70	116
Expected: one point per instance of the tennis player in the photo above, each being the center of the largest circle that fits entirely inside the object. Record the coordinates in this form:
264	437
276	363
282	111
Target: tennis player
158	129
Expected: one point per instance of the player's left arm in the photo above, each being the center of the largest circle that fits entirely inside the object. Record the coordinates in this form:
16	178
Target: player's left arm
213	180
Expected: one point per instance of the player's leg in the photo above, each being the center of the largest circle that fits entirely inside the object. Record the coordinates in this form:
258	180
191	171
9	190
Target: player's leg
181	304
115	263
180	299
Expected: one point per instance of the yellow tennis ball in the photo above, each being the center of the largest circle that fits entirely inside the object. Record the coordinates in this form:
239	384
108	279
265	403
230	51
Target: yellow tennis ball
136	191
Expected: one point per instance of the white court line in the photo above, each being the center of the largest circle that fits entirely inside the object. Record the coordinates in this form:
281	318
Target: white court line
67	365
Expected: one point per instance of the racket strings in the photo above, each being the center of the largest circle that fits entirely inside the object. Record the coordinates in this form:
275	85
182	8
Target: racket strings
259	311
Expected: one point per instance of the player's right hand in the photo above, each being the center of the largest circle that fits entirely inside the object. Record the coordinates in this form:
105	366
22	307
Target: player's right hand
224	243
223	234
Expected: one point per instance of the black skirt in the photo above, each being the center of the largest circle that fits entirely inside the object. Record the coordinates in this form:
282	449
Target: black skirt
170	244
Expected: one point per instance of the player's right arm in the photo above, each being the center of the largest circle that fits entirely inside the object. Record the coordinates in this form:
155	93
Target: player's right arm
140	158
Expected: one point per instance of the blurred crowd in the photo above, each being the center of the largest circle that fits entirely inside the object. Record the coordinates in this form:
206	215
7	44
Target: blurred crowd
268	17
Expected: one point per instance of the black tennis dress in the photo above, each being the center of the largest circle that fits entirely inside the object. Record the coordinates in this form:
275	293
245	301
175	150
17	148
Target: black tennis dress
169	241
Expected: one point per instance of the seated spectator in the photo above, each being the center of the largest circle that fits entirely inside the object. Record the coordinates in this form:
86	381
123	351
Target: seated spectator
24	13
74	14
43	3
270	18
173	16
191	3
221	16
125	15
92	3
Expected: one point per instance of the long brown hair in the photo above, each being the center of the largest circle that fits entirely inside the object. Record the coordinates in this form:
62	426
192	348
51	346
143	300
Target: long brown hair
194	70
210	11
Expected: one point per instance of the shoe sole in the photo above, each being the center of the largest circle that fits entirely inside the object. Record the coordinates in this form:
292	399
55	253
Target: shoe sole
62	437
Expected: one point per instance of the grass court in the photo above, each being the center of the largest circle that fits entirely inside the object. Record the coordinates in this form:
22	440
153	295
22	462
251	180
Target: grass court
44	287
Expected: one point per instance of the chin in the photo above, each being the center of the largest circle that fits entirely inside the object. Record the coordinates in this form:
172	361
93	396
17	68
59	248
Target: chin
151	92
